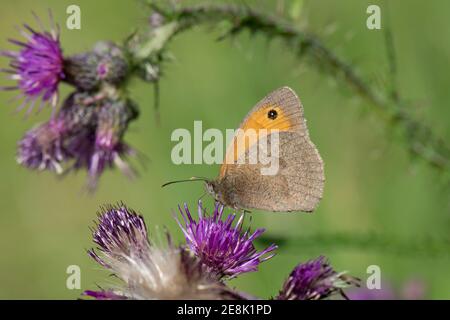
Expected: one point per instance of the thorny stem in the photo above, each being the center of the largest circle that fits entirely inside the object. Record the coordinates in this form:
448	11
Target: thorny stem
425	247
421	140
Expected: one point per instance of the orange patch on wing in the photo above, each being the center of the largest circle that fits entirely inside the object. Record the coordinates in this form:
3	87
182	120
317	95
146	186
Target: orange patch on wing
260	120
256	121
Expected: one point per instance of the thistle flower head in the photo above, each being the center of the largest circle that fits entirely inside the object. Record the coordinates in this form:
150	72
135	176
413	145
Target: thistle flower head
42	147
49	146
79	112
109	149
106	63
120	233
413	289
112	66
314	280
94	136
37	66
86	133
147	271
221	246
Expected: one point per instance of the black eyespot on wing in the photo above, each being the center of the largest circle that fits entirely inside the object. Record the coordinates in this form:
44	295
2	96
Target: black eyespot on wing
272	114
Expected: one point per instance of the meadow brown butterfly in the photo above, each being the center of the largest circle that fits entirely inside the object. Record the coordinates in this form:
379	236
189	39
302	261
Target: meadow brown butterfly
297	184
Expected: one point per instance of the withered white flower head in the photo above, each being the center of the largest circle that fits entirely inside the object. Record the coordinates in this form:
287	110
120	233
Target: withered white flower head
148	271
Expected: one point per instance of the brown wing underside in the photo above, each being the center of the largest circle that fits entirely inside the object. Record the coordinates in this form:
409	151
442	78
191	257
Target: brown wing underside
290	118
298	185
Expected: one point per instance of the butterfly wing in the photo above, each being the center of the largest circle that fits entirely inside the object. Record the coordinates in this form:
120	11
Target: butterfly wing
298	183
285	103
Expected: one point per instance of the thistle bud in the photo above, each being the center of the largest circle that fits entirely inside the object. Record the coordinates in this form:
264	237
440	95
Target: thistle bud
109	148
315	280
113	66
42	147
106	63
79	112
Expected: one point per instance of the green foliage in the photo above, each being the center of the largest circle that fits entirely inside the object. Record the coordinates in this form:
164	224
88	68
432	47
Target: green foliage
429	247
418	137
372	184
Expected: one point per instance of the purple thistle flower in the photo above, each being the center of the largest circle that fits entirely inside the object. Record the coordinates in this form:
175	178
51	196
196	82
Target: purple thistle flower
108	153
49	146
42	147
413	289
37	66
222	247
102	70
104	295
314	280
86	133
81	148
109	149
112	64
106	63
148	271
120	233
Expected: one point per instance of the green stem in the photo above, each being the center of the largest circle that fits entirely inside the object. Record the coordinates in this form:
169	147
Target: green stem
421	140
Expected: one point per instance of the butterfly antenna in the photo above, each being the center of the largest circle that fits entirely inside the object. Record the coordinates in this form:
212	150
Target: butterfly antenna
185	180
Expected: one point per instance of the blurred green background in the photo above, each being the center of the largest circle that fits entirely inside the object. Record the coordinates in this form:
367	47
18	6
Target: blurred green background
372	185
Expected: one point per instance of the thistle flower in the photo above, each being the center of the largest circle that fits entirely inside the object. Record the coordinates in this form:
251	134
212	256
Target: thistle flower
87	132
222	247
113	66
314	280
109	148
120	233
106	63
46	146
413	289
79	112
37	66
147	271
42	147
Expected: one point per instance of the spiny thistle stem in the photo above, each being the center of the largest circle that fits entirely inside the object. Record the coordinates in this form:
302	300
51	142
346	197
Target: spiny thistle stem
421	140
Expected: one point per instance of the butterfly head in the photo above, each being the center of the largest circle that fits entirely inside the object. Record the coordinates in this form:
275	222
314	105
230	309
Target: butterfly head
212	187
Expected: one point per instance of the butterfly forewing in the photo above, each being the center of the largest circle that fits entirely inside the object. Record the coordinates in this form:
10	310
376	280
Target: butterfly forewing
298	182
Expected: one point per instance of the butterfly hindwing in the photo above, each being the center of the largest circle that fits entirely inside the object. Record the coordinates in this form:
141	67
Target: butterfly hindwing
298	184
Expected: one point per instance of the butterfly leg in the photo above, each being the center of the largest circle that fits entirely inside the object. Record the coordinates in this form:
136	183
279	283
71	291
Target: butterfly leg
244	212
